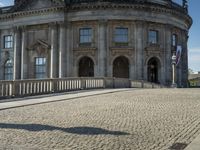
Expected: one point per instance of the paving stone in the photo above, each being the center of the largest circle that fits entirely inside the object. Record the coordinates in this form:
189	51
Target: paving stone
149	119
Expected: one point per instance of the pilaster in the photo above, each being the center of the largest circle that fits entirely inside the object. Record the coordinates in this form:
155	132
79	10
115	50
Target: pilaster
168	55
16	55
62	54
69	52
53	72
139	49
102	48
24	54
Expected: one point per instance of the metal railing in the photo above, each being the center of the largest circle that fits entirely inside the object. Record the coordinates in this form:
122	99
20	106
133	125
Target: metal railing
22	88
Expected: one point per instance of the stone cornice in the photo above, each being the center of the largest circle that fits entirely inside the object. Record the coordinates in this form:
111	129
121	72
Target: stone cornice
102	5
31	12
142	7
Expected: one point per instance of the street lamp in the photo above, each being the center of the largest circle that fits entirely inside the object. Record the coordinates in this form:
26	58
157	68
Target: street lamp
174	85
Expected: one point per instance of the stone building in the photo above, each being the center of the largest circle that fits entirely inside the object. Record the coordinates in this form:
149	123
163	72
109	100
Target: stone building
194	80
102	38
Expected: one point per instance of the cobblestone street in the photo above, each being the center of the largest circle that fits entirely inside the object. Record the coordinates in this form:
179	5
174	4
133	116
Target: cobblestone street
129	120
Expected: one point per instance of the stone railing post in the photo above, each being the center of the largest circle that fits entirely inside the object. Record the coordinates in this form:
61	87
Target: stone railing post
142	83
13	89
52	86
83	84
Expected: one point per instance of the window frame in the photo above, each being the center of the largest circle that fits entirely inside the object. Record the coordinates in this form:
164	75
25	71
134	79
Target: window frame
8	70
40	67
8	41
85	38
121	38
153	39
174	40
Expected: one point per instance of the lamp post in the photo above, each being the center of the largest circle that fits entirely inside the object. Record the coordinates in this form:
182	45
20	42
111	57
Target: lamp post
174	85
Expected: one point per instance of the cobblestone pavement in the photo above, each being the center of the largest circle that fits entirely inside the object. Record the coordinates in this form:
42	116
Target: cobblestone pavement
130	120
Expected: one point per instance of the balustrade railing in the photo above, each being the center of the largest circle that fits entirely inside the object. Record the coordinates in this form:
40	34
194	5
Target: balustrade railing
21	88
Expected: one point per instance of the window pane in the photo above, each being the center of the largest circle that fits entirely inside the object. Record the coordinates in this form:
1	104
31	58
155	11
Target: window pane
40	67
153	36
121	35
8	70
174	40
85	35
8	41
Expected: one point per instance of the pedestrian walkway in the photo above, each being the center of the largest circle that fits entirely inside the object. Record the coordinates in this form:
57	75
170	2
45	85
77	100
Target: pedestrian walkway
33	100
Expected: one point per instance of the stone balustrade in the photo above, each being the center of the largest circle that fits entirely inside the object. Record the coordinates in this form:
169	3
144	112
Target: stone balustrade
21	88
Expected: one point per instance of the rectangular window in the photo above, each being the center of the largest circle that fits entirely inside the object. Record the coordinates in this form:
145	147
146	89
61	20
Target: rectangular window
8	41
153	37
8	70
85	35
40	67
174	40
121	35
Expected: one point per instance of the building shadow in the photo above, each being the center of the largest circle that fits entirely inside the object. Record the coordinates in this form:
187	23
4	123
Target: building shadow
72	130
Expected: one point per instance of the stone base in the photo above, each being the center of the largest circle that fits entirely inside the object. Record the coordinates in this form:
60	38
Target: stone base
174	85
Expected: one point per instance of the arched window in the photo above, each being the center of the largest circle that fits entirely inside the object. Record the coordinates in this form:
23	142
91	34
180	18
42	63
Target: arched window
8	70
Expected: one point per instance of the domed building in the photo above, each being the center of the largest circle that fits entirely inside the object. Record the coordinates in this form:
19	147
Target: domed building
132	39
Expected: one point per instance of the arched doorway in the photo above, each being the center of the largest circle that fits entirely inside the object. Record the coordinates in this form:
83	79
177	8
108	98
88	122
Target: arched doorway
153	70
121	67
86	67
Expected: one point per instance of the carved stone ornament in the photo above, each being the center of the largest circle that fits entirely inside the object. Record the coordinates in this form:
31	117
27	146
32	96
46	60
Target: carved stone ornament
85	51
41	47
153	50
121	51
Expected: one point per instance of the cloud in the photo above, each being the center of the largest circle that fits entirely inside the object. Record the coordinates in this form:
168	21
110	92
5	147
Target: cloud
194	59
1	4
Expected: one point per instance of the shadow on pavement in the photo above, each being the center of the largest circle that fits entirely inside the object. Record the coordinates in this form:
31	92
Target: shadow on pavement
72	130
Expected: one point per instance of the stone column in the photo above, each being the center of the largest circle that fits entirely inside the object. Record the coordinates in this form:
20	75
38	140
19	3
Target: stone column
53	72
16	55
102	48
62	50
139	48
24	55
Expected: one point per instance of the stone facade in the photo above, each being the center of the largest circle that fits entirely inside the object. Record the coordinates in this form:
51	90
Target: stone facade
51	29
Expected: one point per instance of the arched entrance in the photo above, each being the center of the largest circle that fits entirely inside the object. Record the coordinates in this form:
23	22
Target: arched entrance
153	70
121	67
86	67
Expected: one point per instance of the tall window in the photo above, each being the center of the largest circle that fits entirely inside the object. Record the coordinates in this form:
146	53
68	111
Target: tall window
40	67
85	35
121	35
153	37
8	41
174	40
8	70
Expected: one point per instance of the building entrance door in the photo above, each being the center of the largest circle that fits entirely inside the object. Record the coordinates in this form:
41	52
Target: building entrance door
86	67
153	70
121	67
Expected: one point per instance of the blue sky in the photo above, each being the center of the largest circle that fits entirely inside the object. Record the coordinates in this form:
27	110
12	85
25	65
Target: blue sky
194	35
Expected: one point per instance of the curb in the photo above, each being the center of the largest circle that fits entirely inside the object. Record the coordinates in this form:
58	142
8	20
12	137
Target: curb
195	145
